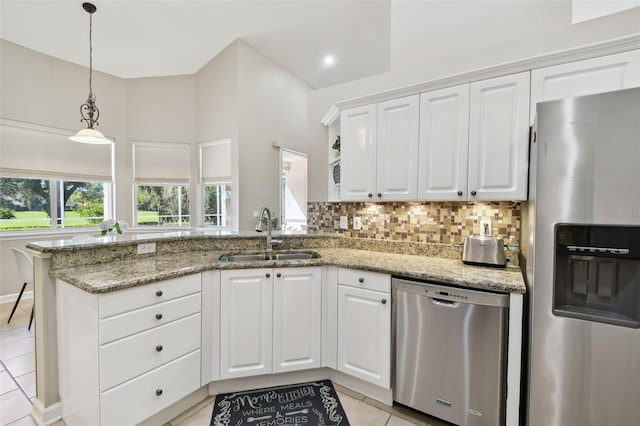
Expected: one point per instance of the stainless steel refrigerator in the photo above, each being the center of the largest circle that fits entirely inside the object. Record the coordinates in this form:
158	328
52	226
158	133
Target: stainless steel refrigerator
581	230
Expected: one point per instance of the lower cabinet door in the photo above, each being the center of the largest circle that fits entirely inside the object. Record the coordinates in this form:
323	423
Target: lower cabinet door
297	304
144	396
246	322
364	334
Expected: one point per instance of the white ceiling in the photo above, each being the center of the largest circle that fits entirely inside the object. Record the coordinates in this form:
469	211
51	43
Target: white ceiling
145	38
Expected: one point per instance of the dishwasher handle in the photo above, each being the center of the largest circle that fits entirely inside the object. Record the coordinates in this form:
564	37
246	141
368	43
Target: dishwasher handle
442	302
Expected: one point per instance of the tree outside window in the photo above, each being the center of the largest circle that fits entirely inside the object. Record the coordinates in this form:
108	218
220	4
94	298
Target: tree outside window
217	204
163	205
26	203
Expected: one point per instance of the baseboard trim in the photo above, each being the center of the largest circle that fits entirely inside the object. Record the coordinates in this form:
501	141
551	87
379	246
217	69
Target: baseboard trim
46	416
11	298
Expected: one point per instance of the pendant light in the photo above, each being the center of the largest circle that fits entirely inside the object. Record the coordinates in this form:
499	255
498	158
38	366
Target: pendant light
89	110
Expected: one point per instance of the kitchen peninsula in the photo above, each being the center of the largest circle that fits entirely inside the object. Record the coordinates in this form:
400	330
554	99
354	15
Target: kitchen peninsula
101	268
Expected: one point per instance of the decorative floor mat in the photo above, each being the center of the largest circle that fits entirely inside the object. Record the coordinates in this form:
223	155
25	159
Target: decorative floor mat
313	403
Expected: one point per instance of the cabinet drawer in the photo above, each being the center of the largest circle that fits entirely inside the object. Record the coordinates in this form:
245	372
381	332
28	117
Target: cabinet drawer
129	357
118	302
137	399
123	325
365	279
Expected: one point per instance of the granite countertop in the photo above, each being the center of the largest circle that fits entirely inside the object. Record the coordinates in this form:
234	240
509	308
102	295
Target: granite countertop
110	276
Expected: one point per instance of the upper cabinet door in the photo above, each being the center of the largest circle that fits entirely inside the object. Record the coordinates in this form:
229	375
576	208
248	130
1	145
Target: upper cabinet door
588	77
358	151
499	138
444	140
397	152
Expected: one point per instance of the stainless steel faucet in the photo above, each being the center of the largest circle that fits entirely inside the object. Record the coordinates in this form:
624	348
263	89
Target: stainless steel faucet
270	241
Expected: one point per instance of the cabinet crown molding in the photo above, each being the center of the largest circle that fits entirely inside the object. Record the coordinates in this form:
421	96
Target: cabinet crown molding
594	50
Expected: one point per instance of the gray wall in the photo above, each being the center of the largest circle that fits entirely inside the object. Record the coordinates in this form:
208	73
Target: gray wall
239	94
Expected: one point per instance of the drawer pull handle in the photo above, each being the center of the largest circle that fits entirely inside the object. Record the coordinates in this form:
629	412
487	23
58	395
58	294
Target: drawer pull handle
159	293
383	301
158	392
361	280
159	348
278	275
159	316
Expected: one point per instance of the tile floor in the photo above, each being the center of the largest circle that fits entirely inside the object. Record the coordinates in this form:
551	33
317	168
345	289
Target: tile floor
17	365
17	385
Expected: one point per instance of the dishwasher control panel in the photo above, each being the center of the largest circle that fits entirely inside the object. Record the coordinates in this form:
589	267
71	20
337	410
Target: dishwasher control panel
453	294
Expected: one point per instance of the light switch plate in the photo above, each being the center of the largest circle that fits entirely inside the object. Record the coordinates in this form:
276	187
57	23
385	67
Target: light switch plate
146	248
357	222
344	223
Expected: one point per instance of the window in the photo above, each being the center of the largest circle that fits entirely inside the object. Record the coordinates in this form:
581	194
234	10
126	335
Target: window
163	205
50	182
217	204
26	203
215	177
161	173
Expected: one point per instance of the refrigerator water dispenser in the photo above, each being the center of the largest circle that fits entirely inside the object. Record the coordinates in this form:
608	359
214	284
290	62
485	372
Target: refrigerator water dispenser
597	273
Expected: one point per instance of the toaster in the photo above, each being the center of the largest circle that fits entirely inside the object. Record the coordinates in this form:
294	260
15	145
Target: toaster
484	251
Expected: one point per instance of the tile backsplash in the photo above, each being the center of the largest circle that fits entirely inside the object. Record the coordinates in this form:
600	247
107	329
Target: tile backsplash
426	222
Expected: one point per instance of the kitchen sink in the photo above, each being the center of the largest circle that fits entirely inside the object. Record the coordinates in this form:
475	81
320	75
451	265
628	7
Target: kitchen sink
257	257
245	257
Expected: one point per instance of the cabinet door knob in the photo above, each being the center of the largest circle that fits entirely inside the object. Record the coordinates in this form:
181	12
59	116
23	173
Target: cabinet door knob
159	316
267	275
473	193
459	193
361	280
278	275
158	392
379	194
370	195
383	301
159	293
159	348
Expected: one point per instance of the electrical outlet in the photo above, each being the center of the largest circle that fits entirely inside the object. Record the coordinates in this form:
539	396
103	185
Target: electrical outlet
344	222
485	228
146	248
357	222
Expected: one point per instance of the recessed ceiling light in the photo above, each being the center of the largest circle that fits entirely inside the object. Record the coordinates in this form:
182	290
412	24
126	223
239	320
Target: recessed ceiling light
329	60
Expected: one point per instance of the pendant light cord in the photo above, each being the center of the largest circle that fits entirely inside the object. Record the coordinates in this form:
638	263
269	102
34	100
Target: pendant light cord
90	53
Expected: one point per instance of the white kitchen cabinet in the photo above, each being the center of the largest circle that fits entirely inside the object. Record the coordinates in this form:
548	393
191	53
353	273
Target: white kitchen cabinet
358	153
499	138
246	312
270	321
397	150
379	158
297	316
140	345
587	77
364	326
444	142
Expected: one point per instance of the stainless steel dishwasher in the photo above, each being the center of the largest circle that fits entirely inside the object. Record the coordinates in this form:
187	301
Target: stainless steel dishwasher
450	351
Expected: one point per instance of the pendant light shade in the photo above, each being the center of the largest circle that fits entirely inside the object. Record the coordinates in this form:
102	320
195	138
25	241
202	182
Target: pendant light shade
89	110
90	135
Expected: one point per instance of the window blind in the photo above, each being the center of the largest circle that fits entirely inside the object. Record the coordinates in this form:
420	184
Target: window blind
30	150
156	162
215	161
